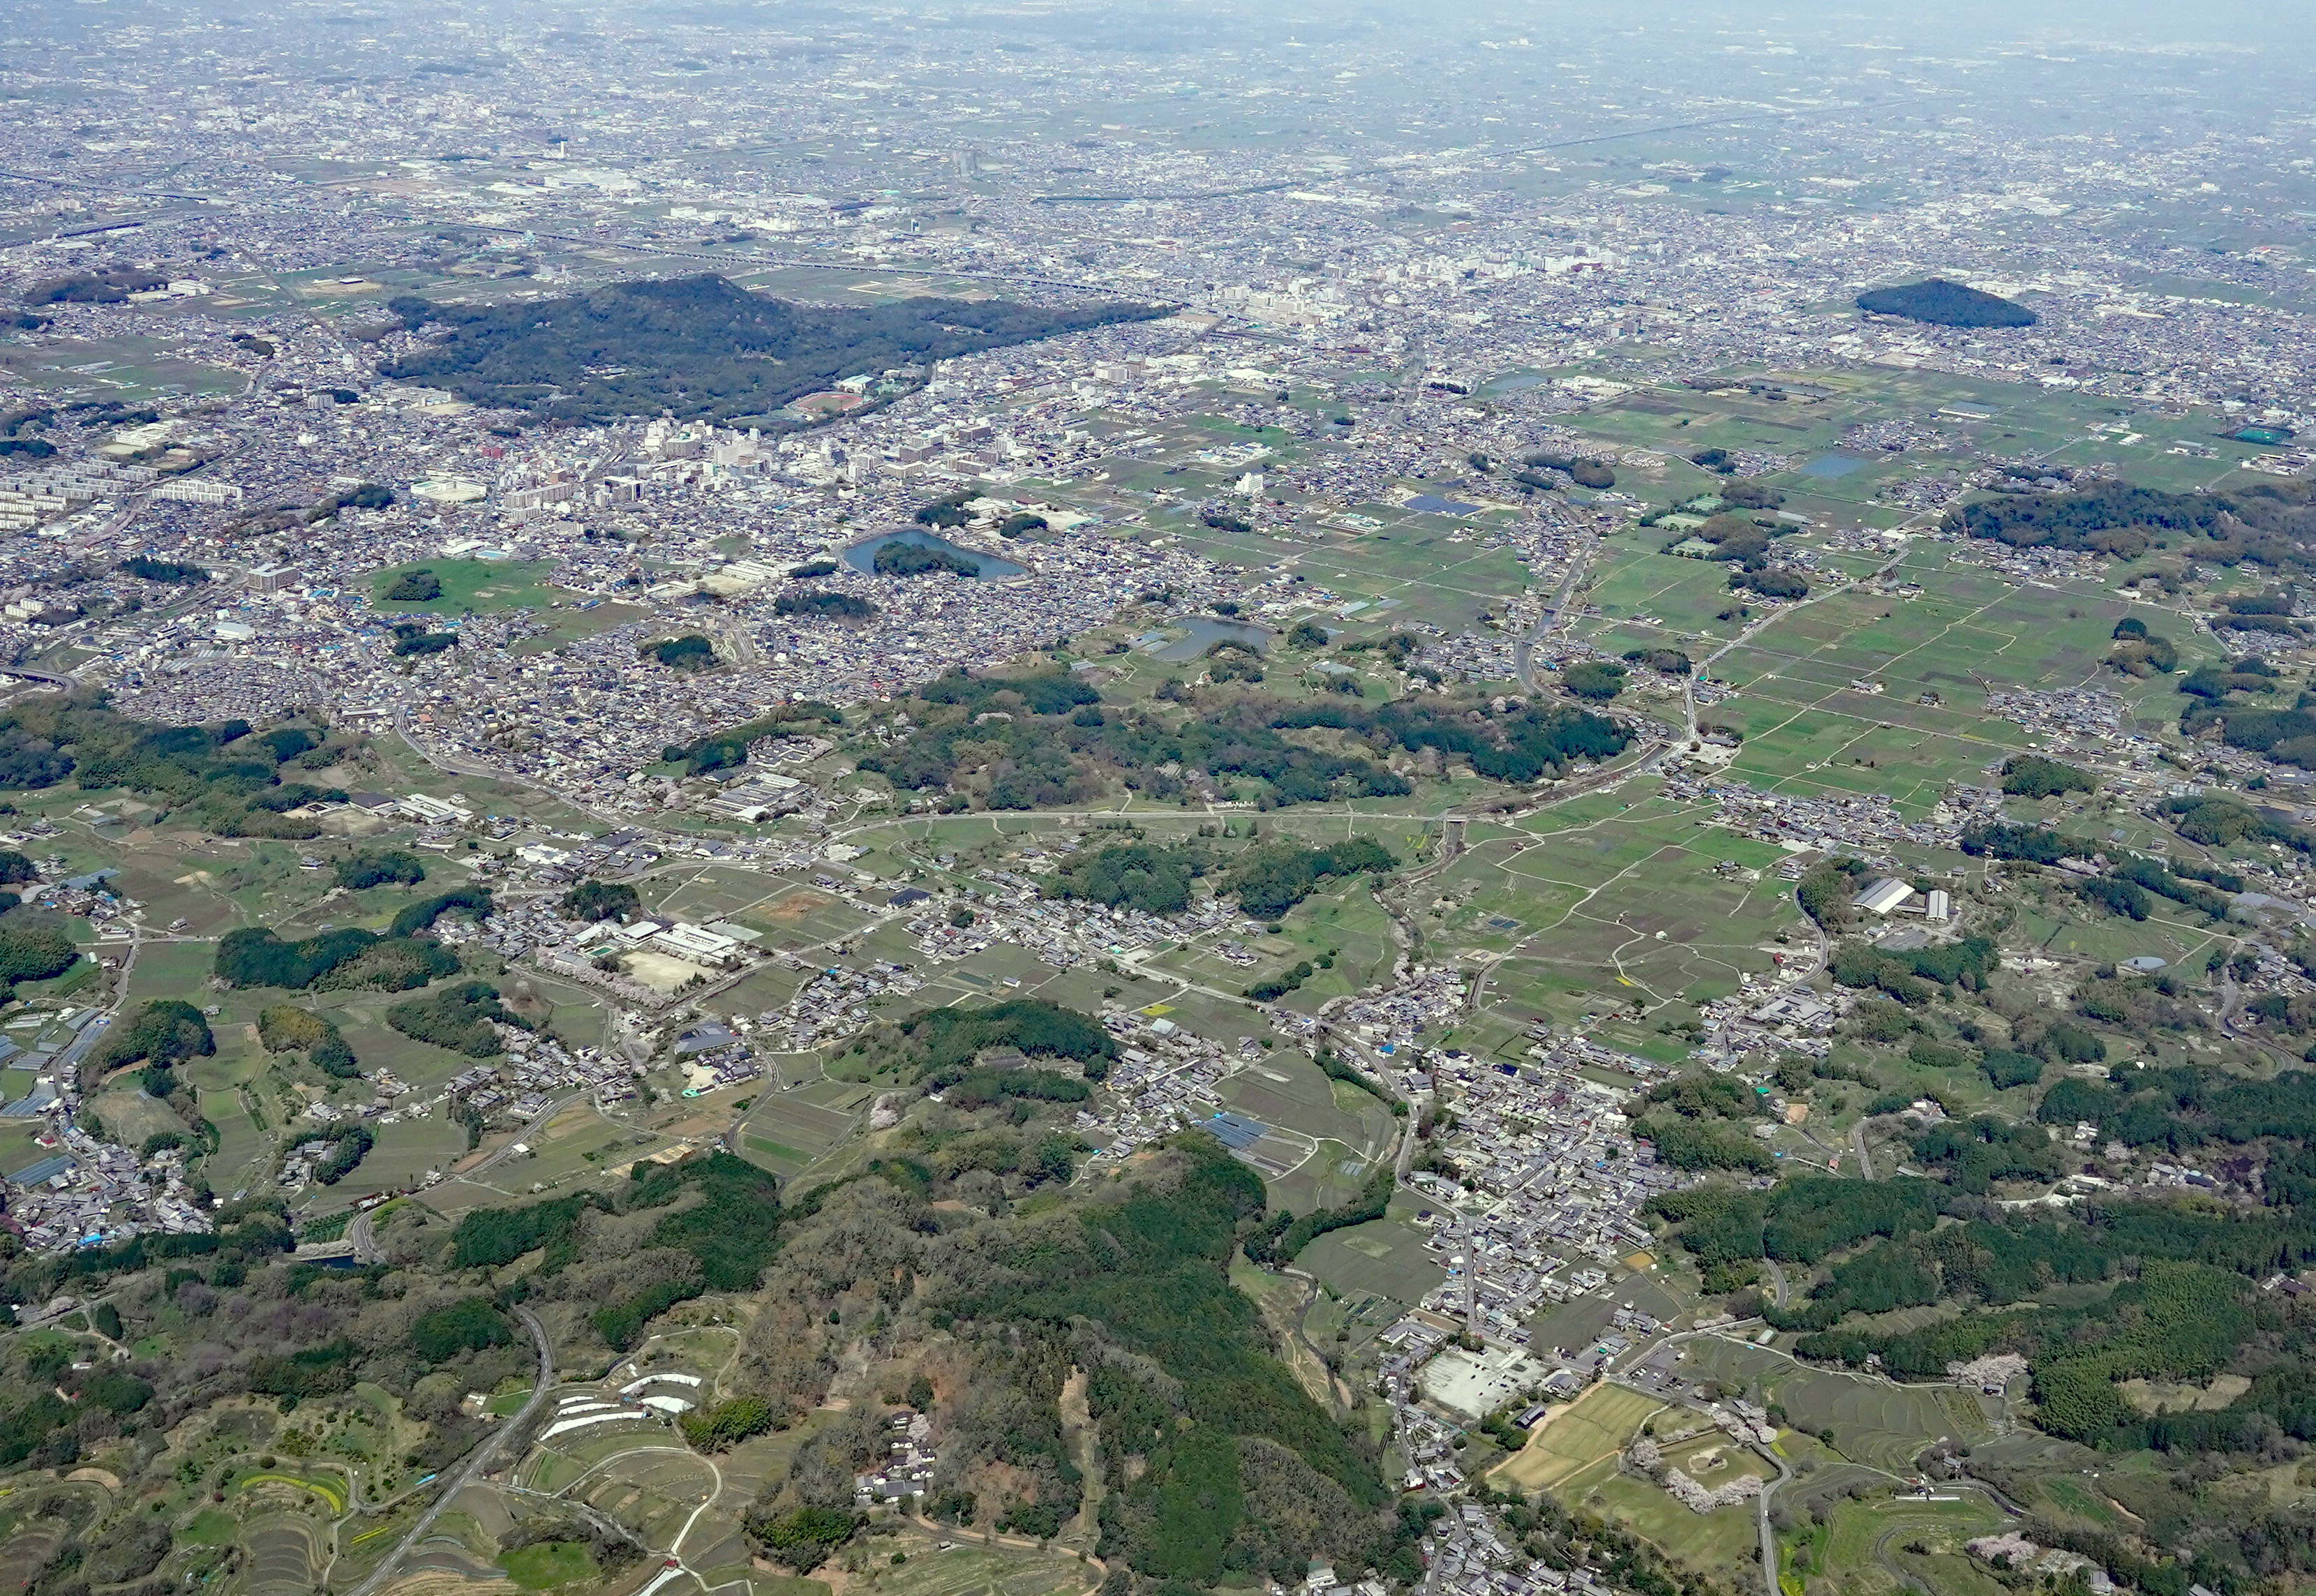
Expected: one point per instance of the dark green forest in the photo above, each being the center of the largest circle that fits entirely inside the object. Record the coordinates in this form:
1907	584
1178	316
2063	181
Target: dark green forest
1945	304
231	781
2274	524
1063	746
700	346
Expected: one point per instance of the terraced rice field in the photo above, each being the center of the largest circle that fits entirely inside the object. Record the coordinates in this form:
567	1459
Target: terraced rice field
1872	1422
285	1552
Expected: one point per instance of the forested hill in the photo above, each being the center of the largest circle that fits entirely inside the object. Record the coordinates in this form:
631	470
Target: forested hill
1219	1464
702	346
1945	304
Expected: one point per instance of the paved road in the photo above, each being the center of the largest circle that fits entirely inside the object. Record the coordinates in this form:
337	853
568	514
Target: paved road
497	1155
1761	1520
476	1463
1522	667
1405	1162
2232	998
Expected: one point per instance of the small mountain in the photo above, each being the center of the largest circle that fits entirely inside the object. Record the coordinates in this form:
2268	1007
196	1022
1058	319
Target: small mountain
1945	304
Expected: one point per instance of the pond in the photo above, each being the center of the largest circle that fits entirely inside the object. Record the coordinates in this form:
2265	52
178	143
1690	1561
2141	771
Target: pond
863	556
1206	631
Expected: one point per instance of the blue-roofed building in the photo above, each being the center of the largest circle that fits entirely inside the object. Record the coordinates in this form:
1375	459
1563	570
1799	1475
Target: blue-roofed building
1236	1131
32	1103
48	1168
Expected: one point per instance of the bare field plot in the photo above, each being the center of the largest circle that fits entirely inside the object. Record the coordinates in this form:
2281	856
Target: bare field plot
804	916
284	1551
25	1553
131	1116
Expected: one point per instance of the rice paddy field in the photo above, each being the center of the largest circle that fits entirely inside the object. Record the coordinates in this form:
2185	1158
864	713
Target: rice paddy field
1569	1448
1811	728
1412	566
1605	901
1831	479
789	1132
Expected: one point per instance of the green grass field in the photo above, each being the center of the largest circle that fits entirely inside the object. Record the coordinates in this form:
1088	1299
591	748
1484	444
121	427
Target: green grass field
1722	1544
469	586
546	1565
1384	1257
